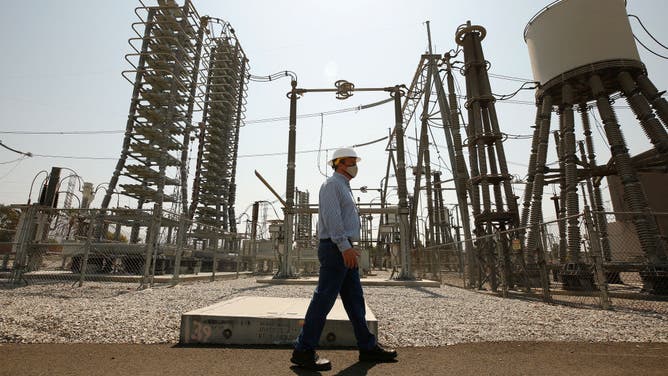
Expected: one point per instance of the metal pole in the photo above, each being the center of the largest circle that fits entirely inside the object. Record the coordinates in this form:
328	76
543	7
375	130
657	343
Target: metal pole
404	231
285	271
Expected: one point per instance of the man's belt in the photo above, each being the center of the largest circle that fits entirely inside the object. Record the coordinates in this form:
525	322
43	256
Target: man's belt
329	240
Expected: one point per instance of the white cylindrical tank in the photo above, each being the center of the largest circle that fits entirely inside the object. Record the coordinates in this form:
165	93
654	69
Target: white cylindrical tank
574	33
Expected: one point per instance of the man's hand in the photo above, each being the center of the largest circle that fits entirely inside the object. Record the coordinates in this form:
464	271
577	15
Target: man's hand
350	256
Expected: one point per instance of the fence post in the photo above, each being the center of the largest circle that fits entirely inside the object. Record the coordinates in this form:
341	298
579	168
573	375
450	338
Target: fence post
436	270
236	245
544	275
214	258
501	251
463	260
597	255
179	250
89	238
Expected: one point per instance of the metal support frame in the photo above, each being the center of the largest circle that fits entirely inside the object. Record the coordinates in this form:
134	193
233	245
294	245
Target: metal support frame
343	90
214	187
181	62
577	88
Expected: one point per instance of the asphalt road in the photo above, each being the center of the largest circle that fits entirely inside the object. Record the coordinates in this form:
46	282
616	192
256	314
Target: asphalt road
505	358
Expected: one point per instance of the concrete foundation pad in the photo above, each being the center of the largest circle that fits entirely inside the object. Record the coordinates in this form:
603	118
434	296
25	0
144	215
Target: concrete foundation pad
250	320
365	282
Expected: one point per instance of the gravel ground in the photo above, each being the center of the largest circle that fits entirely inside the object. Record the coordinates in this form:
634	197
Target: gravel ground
119	313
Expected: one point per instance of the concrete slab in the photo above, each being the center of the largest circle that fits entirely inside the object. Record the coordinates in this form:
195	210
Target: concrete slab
251	320
365	282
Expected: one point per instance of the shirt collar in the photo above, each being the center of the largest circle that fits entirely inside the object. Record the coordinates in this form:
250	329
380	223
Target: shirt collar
339	176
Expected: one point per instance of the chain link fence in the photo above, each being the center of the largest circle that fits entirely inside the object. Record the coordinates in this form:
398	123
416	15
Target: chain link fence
609	267
78	245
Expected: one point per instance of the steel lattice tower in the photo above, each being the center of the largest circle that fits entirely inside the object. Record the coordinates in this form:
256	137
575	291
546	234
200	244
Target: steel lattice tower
157	136
214	187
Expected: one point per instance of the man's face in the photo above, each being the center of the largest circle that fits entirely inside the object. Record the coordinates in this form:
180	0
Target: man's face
344	164
349	162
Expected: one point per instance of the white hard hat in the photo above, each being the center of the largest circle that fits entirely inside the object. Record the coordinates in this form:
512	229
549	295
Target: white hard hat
343	153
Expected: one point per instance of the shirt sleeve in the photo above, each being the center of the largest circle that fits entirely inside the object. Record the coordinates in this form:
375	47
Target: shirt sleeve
330	205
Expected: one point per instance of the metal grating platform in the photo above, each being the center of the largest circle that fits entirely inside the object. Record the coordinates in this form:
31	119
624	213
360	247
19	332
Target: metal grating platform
249	320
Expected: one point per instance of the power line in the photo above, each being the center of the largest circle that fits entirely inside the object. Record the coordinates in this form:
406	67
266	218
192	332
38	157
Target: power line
648	49
73	157
273	77
27	154
18	162
13	160
647	31
239	156
257	121
509	78
523	87
64	132
317	114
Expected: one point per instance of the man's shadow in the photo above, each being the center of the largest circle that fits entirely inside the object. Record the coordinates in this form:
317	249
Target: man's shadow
359	368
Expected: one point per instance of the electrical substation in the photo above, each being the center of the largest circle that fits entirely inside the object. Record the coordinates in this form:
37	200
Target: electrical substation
190	77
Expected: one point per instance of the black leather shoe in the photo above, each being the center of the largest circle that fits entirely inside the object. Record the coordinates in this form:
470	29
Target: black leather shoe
308	359
378	354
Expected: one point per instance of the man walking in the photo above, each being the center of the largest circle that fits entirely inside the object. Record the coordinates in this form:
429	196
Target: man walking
338	227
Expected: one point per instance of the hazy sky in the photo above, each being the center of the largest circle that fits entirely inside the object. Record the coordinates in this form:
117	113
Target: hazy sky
62	61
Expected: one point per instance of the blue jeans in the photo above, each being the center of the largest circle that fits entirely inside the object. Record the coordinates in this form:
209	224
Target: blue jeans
335	278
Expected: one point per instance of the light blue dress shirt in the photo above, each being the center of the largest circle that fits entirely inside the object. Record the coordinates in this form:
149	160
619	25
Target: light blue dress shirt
338	218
